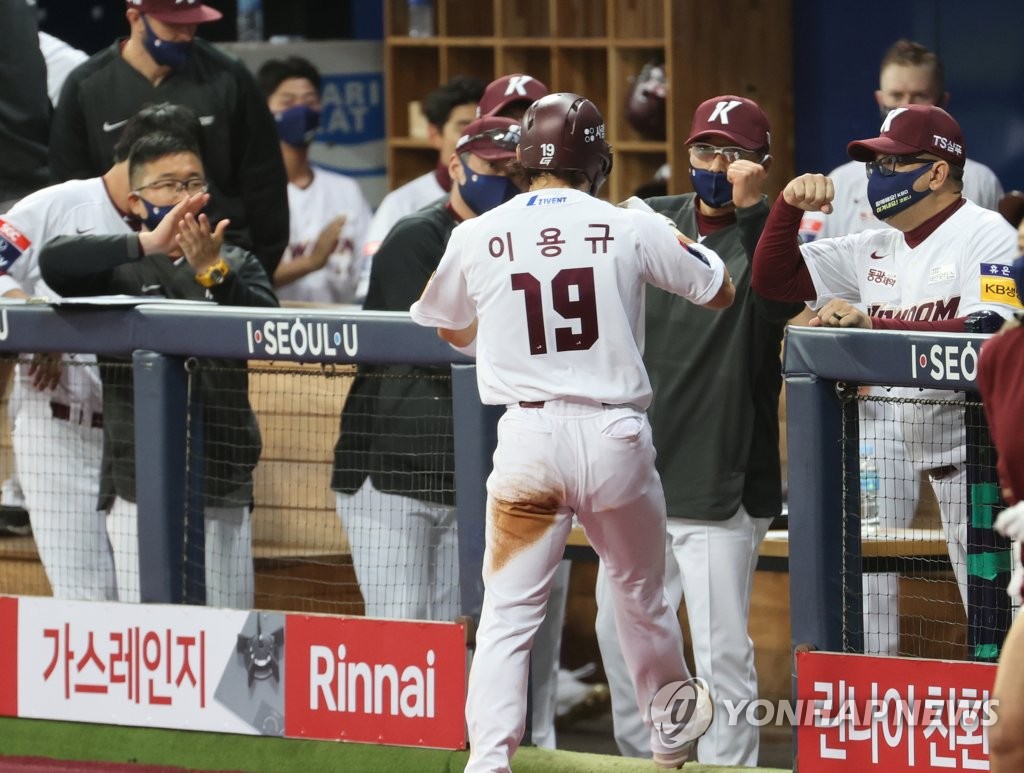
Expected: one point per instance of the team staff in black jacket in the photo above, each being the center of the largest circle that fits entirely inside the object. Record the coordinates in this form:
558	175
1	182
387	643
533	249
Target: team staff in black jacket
24	106
163	61
168	190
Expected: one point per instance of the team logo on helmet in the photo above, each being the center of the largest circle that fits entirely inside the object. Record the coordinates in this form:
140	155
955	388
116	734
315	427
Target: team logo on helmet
565	132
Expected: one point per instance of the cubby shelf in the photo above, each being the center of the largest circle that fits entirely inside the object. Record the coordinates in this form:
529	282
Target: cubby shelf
594	48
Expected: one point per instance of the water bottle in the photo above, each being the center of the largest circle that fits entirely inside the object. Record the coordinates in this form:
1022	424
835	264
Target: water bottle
421	18
868	490
250	20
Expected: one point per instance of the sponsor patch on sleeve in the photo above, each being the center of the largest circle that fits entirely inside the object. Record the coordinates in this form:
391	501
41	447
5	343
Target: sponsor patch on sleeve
997	285
12	244
810	227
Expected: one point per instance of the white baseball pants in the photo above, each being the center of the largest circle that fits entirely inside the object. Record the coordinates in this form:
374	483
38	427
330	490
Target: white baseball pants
551	462
406	556
59	467
711	564
228	554
405	552
898	493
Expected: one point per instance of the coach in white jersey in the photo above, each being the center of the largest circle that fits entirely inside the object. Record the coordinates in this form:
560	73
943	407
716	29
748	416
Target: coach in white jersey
551	287
943	259
910	74
57	430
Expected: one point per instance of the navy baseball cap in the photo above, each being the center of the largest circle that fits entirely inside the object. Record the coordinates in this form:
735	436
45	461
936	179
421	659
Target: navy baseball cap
176	11
492	138
914	129
738	119
517	89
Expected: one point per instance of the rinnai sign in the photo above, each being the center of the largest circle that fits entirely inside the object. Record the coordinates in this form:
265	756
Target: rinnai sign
893	714
235	671
376	681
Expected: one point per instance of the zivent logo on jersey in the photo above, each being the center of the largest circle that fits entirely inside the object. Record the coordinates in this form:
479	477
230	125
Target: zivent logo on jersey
382	681
538	200
300	337
997	284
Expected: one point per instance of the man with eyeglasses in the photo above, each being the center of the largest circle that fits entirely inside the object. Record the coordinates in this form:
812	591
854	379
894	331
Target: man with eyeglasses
909	74
393	462
178	254
716	379
58	419
162	60
943	259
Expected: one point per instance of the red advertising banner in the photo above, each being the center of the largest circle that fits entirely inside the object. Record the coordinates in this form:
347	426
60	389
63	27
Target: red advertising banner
8	656
375	681
894	714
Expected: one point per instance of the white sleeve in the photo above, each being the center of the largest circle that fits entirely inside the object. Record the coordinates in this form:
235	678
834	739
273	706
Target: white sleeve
833	269
445	301
985	267
690	270
21	228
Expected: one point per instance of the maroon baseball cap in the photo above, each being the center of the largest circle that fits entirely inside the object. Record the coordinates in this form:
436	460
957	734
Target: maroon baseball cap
914	129
739	119
492	138
176	11
515	89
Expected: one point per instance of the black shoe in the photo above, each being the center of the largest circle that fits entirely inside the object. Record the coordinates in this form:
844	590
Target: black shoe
14	521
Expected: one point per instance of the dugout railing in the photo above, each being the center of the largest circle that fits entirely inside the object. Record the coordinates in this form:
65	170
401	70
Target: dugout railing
822	367
161	336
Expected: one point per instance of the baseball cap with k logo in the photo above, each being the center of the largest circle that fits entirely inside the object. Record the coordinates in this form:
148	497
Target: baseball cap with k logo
914	129
738	119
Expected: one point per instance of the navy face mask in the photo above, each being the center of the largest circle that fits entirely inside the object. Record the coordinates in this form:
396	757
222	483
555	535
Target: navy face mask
297	125
713	188
154	214
168	53
483	192
891	195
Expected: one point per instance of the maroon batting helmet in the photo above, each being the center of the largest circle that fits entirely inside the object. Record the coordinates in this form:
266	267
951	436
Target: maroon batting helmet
565	132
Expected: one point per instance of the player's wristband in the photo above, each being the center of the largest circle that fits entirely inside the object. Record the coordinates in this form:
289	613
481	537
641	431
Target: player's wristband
214	275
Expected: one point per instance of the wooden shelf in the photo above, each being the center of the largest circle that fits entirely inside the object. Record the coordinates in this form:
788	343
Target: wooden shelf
594	48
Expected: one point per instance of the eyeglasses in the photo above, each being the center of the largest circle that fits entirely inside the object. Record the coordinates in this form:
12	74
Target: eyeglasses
886	165
506	139
167	189
706	153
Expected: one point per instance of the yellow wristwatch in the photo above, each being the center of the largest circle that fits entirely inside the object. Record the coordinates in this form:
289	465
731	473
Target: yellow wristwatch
214	275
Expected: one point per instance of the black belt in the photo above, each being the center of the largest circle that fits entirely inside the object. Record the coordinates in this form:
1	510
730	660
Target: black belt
542	403
63	412
938	473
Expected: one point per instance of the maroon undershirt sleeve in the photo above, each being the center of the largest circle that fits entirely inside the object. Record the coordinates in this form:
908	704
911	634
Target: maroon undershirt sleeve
779	272
955	325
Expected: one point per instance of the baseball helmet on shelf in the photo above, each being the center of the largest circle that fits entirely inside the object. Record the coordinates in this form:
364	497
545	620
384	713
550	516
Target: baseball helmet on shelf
645	102
565	132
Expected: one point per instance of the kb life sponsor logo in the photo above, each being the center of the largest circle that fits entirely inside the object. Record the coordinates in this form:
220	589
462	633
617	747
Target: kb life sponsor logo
300	337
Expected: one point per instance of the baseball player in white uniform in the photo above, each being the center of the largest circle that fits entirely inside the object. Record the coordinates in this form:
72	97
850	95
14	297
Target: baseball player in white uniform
550	286
328	214
909	74
943	259
57	434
